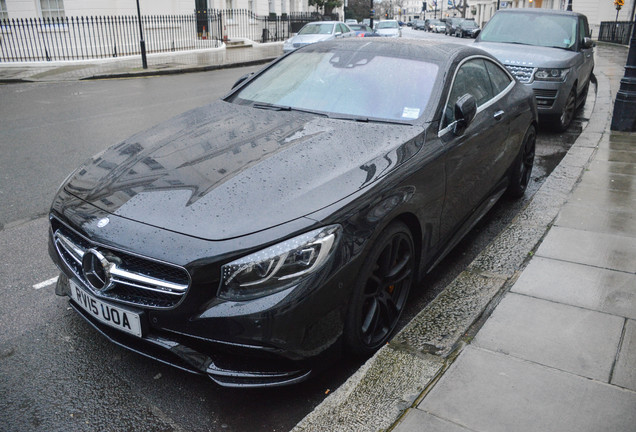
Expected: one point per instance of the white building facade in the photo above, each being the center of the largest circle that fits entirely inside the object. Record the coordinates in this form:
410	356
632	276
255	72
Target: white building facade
55	8
406	10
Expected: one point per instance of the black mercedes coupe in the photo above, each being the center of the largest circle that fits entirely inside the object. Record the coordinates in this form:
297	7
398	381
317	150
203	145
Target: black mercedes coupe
252	238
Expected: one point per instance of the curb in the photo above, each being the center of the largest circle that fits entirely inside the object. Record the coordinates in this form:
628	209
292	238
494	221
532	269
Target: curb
145	73
401	373
151	72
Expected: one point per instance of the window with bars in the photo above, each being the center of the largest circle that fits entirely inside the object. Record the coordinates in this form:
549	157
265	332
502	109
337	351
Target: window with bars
52	8
3	10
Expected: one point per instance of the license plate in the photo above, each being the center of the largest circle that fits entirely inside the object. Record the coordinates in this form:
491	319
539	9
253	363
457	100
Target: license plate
107	313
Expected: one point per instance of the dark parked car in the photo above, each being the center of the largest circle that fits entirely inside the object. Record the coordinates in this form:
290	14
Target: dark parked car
451	25
557	63
251	239
467	28
419	24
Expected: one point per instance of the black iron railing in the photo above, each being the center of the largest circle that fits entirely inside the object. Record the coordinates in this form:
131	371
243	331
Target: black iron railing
615	31
81	38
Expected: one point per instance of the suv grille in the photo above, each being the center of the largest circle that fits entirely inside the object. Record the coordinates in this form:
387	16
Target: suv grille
133	280
522	73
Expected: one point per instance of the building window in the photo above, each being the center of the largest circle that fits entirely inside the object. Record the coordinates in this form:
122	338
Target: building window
52	8
3	10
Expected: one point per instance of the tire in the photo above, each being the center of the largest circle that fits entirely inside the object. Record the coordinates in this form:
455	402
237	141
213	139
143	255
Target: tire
381	291
562	121
583	97
521	170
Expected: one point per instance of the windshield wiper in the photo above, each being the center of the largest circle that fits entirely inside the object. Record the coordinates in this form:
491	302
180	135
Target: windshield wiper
366	119
261	105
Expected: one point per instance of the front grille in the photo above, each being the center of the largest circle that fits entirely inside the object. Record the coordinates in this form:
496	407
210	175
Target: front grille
134	280
522	73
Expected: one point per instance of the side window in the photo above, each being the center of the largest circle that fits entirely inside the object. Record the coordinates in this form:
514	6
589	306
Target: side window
341	29
472	77
499	79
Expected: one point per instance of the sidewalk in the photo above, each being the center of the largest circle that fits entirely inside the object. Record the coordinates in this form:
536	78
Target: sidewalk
546	343
158	64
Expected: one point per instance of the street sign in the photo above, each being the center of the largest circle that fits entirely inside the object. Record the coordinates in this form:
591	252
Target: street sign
620	3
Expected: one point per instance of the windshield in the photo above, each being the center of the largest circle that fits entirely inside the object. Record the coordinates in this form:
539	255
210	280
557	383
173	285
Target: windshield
469	24
345	81
557	31
316	29
387	25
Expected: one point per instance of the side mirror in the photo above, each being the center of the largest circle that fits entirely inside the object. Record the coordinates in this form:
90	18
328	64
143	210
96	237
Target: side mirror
465	110
588	43
477	32
241	79
338	34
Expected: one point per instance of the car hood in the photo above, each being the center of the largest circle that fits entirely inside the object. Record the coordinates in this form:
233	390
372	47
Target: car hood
311	38
226	170
532	56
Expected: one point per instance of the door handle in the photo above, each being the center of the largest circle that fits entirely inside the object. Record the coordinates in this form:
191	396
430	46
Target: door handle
498	115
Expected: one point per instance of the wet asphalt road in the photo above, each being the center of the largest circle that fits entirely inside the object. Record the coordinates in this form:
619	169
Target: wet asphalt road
56	372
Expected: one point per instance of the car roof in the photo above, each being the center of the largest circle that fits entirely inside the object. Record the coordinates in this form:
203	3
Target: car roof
540	11
421	49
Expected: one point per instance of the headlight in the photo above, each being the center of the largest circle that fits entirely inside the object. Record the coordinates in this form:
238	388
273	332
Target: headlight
545	74
288	44
278	267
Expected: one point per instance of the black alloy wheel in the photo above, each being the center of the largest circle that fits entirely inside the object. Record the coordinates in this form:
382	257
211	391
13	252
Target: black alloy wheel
563	121
522	168
381	292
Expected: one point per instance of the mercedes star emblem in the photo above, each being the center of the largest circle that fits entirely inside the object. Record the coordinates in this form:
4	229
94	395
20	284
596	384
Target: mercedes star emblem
96	270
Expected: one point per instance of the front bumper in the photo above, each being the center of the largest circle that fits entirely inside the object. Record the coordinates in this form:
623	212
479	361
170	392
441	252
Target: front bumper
226	366
275	340
550	96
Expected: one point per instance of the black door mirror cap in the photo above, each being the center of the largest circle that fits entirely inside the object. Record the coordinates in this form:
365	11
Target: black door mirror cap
466	108
588	43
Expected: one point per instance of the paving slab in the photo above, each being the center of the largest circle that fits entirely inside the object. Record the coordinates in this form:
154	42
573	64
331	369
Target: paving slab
491	392
608	251
586	217
419	421
610	176
588	287
564	337
625	371
616	155
595	195
596	166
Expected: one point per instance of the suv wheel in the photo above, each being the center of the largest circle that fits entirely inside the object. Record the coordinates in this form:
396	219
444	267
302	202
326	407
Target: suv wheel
563	120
